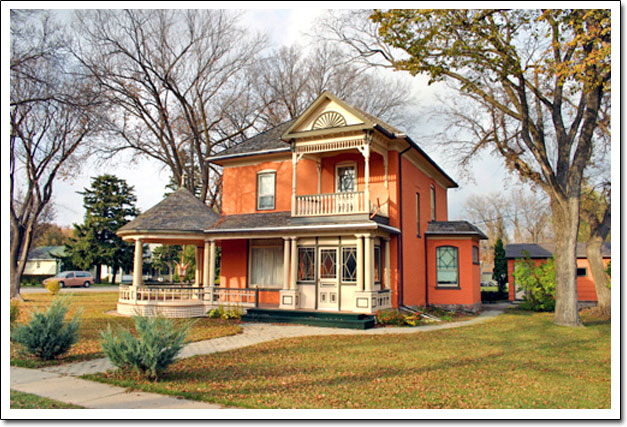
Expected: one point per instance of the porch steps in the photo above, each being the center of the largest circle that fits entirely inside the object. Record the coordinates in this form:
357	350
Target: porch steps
312	318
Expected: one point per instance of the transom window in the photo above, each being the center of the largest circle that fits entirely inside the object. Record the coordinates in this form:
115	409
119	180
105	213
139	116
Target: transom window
447	266
346	179
349	264
328	263
306	263
265	190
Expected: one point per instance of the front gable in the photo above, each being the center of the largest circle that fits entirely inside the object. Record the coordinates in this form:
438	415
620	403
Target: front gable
327	114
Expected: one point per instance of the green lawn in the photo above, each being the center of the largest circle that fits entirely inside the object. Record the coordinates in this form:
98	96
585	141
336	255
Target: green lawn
517	360
95	306
21	400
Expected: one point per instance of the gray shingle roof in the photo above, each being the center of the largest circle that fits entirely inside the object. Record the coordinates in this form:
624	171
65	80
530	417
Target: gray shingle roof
454	228
265	141
546	250
46	252
180	211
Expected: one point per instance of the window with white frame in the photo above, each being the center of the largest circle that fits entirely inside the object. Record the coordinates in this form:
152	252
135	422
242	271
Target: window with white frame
447	263
266	185
266	265
349	264
432	203
346	178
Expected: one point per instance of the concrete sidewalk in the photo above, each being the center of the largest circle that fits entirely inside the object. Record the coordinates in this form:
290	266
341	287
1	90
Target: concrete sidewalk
60	382
93	395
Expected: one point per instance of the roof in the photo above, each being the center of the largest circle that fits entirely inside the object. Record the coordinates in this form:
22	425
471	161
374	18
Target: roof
268	141
546	250
454	228
46	253
282	221
181	211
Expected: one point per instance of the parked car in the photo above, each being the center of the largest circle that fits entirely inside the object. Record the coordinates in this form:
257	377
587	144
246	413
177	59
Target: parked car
73	278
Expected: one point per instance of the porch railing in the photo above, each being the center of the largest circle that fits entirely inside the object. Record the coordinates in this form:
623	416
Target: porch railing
384	298
164	295
331	204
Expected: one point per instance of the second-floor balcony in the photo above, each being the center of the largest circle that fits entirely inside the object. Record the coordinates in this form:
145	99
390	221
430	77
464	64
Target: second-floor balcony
353	202
347	166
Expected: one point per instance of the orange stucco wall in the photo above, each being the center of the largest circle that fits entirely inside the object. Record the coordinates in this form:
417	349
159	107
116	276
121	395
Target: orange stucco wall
585	284
469	291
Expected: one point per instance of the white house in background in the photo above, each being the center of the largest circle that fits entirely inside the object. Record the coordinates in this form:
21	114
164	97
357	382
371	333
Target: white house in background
41	262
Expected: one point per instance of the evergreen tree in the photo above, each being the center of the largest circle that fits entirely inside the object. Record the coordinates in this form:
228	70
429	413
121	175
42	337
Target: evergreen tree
499	274
109	204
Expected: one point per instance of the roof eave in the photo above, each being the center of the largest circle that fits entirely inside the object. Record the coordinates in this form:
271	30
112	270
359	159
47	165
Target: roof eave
218	158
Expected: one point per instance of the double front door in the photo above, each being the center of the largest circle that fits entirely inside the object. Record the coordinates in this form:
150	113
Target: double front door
328	278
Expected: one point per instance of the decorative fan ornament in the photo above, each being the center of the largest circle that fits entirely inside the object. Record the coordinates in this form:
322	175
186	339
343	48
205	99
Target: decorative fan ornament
330	119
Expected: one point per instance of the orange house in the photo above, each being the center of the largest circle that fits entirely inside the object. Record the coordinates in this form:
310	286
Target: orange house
540	252
335	211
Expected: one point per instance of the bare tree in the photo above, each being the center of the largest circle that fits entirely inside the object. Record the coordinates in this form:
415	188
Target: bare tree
53	115
290	80
179	82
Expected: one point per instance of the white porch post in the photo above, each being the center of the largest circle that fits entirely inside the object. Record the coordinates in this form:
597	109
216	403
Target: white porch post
138	263
212	263
294	267
360	262
369	267
366	154
286	263
294	163
387	264
197	275
208	264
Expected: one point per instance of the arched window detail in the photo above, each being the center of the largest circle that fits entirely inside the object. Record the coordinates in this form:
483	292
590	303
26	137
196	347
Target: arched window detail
447	266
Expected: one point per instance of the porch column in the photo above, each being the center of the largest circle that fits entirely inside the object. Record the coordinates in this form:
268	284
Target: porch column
387	264
360	262
286	263
294	256
369	267
198	270
209	264
138	263
366	154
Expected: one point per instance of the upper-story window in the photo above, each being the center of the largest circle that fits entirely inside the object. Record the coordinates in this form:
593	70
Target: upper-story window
432	203
346	178
266	188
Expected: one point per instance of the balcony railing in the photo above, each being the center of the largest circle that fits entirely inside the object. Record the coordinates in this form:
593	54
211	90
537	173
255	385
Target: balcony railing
331	204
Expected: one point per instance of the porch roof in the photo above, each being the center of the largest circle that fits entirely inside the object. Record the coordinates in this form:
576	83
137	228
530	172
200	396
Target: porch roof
283	222
454	228
181	212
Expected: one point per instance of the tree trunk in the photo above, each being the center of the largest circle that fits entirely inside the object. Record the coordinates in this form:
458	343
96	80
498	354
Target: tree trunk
114	272
98	273
593	253
21	238
565	214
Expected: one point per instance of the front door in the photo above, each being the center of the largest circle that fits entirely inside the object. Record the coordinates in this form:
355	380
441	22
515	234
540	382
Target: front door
328	272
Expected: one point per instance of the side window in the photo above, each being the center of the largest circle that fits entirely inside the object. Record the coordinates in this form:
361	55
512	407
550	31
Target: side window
475	255
432	203
266	185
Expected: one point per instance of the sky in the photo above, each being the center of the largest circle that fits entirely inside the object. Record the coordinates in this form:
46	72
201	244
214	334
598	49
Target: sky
284	27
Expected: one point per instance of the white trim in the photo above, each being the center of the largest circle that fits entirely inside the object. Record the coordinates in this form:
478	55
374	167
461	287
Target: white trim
310	227
248	153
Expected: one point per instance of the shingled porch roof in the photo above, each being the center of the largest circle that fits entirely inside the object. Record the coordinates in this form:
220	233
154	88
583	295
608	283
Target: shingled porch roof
180	212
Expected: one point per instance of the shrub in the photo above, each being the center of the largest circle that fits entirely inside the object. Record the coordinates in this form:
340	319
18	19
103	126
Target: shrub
53	286
47	335
222	313
538	282
14	313
158	342
390	317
